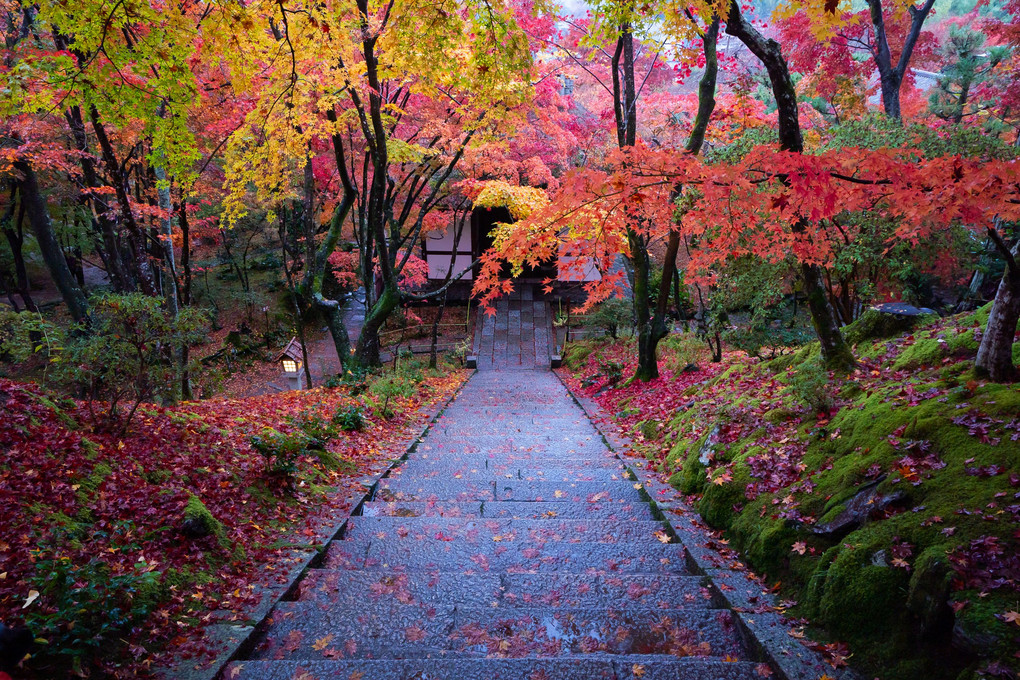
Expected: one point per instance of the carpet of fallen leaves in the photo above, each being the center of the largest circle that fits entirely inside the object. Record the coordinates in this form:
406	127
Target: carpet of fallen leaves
68	491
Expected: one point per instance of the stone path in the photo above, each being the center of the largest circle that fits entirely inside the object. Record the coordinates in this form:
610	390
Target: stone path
518	334
510	545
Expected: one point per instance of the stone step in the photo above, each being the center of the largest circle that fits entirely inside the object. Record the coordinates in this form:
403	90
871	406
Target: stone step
528	472
486	532
616	510
533	459
623	558
534	425
305	630
356	589
556	443
507	411
624	667
409	488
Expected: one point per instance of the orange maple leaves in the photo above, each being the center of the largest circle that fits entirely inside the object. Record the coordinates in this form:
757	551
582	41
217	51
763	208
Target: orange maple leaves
769	204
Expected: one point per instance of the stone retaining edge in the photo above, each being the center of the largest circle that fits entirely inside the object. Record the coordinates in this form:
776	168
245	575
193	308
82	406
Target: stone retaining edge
238	639
753	607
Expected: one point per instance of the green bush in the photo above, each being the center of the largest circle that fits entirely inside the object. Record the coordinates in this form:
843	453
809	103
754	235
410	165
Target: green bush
350	419
611	316
280	451
681	350
355	379
318	429
125	356
84	609
767	335
392	386
811	387
612	371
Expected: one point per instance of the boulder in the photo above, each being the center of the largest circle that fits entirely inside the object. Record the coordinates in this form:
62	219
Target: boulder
867	501
886	320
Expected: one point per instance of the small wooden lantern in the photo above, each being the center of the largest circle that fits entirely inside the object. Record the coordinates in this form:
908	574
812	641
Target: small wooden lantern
291	360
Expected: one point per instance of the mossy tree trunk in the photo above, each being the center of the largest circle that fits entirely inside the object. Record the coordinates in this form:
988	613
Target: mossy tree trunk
995	354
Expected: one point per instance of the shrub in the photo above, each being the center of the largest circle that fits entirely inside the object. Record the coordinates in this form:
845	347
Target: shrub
318	429
394	385
280	451
682	350
612	371
611	316
84	609
350	419
811	387
769	332
124	357
355	379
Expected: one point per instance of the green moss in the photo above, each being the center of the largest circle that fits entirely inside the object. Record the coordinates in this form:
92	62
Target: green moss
649	429
718	500
892	614
690	478
576	354
87	488
978	623
925	351
92	449
196	513
860	593
765	541
928	596
779	415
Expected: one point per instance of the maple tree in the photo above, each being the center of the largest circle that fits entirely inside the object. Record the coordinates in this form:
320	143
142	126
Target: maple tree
393	118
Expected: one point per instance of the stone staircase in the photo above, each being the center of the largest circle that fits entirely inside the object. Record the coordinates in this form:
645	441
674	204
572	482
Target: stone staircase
511	545
518	335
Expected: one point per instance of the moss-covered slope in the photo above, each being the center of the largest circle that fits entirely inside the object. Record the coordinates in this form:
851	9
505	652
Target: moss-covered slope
886	501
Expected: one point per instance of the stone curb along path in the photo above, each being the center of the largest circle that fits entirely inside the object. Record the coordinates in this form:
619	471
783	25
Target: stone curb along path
754	607
234	640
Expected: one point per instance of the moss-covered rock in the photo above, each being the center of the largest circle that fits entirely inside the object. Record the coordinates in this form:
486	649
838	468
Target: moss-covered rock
875	325
928	596
649	429
198	521
720	501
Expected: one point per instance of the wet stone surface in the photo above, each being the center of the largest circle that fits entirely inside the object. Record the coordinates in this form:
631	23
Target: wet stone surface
510	544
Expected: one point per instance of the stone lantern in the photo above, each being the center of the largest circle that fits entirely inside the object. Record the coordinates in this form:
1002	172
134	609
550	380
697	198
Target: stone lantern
291	360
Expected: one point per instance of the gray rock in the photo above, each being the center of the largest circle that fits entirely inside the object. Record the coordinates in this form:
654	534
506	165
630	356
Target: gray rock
902	309
856	511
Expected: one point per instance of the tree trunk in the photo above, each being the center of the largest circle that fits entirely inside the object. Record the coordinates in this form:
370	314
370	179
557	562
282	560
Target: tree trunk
14	231
337	329
136	236
648	338
835	352
49	246
890	76
170	292
648	343
368	348
105	228
995	354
